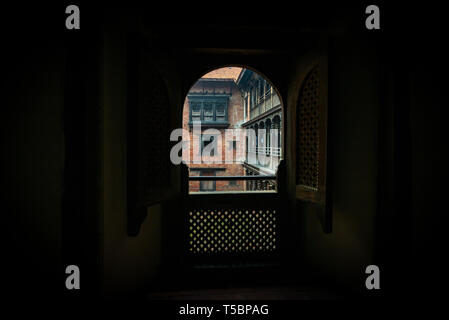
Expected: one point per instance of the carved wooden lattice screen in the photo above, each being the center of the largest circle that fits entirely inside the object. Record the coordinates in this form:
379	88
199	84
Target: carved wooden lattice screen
311	137
232	230
148	126
235	229
308	136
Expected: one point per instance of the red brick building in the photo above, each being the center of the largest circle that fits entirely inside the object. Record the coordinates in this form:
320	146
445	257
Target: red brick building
216	102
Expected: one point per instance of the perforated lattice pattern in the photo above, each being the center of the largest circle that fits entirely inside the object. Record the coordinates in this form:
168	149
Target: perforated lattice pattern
229	230
308	132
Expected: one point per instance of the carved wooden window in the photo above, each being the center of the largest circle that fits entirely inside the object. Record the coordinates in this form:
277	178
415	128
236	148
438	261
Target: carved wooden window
308	136
220	112
311	136
210	110
196	111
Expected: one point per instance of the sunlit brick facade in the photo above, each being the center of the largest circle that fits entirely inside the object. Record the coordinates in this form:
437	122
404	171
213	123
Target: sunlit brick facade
215	101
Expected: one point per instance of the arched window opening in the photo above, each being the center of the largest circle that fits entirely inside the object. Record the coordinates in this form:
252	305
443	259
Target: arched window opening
242	110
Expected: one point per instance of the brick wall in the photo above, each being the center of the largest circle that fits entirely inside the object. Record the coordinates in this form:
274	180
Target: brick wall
235	118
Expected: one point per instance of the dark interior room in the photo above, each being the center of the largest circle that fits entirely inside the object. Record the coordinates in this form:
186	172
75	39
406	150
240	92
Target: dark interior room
356	180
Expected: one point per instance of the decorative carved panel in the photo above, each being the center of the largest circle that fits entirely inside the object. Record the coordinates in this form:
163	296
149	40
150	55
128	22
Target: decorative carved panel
311	137
232	230
308	135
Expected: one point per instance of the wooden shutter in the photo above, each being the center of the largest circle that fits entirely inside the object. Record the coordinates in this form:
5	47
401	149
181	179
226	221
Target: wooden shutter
311	136
148	153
